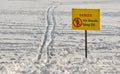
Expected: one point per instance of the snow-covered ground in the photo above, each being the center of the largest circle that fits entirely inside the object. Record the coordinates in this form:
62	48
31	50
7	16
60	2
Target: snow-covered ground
36	38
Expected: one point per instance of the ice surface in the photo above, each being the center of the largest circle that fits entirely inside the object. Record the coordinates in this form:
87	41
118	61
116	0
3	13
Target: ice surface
36	38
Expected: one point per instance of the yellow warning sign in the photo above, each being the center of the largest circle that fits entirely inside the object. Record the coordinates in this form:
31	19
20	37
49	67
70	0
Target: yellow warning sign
86	19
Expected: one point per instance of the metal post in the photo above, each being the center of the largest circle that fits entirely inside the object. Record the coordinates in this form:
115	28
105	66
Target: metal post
86	43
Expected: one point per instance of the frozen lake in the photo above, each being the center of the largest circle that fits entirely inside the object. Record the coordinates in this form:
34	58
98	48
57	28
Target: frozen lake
36	37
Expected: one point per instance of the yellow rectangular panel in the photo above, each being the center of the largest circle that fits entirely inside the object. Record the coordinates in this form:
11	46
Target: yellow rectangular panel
85	19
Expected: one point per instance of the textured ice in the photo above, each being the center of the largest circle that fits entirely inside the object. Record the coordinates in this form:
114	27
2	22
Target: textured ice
36	38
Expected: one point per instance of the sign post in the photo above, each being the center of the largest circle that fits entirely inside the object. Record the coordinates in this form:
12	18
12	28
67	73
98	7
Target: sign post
85	19
86	43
